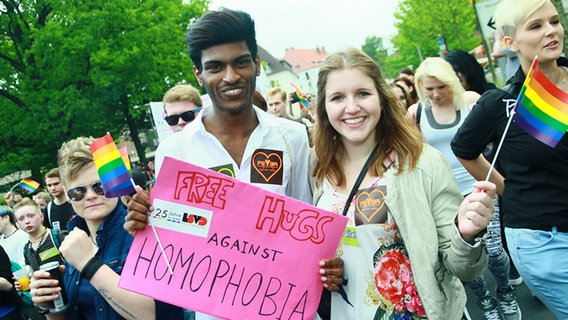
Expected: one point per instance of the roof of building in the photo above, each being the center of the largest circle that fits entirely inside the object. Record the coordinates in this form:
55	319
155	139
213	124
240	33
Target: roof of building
302	59
274	65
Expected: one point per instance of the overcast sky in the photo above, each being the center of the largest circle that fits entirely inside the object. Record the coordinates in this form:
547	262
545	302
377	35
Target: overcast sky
306	24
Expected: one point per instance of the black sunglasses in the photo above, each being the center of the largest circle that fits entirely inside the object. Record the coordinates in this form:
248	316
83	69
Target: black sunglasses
187	116
78	193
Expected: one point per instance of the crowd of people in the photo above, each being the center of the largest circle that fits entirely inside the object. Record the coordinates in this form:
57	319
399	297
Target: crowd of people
429	135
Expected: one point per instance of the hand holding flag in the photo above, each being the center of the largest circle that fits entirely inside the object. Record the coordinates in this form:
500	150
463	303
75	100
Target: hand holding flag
303	100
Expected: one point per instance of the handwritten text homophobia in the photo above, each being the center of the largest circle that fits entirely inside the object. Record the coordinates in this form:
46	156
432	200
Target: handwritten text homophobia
226	281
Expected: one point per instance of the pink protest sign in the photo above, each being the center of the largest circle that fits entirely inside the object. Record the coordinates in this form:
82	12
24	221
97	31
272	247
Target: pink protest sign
236	251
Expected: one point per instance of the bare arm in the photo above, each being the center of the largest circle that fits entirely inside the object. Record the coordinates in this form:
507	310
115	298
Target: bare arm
479	167
5	285
411	112
128	304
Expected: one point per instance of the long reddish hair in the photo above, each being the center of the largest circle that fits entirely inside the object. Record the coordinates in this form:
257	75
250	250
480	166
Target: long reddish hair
394	132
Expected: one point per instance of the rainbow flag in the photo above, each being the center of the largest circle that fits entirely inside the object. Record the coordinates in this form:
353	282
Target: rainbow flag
111	167
29	185
301	96
542	108
124	154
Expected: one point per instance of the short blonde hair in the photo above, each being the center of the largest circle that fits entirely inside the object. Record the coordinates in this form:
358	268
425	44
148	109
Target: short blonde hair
182	92
44	195
277	91
509	14
74	157
442	70
27	202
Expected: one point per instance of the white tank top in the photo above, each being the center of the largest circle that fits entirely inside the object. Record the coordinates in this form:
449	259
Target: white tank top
440	136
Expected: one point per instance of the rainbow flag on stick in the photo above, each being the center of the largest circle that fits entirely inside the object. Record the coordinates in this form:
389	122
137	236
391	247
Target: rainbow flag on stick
111	167
301	96
542	108
29	185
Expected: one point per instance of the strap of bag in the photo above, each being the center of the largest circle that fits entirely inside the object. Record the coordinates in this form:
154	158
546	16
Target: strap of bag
359	179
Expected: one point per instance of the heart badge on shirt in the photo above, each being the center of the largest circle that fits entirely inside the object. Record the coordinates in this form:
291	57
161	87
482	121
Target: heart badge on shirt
226	169
370	206
267	167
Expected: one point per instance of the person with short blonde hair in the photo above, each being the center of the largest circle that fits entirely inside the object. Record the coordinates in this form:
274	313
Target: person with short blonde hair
181	104
42	199
277	102
95	250
530	175
42	246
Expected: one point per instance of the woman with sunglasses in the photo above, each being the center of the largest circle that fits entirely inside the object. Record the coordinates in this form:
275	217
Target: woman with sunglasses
95	250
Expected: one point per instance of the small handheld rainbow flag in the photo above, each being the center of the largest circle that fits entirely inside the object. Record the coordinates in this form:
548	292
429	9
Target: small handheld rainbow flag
29	185
111	167
124	154
301	96
542	108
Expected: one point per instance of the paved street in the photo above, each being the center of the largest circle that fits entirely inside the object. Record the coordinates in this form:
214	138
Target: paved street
531	308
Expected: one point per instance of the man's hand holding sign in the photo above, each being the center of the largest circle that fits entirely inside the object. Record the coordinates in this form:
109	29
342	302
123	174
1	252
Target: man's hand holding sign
236	251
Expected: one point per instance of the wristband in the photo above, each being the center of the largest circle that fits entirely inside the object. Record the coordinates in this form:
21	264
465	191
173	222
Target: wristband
90	268
41	310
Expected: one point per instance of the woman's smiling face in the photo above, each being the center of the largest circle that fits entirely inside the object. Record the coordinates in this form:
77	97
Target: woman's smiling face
352	104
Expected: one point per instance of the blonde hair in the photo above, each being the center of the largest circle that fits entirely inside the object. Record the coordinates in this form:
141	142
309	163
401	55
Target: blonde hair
25	203
182	92
44	195
509	14
442	70
74	157
394	132
279	91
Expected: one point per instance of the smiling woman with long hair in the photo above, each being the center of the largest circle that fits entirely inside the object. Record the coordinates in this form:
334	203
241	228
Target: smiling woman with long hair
402	258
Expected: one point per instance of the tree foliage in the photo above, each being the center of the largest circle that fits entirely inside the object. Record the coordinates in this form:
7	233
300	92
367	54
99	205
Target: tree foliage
375	48
420	22
79	68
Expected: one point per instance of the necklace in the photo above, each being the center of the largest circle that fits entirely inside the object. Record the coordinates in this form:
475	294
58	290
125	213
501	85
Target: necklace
41	237
6	236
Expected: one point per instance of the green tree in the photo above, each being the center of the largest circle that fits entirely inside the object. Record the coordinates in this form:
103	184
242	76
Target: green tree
420	22
72	68
375	48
